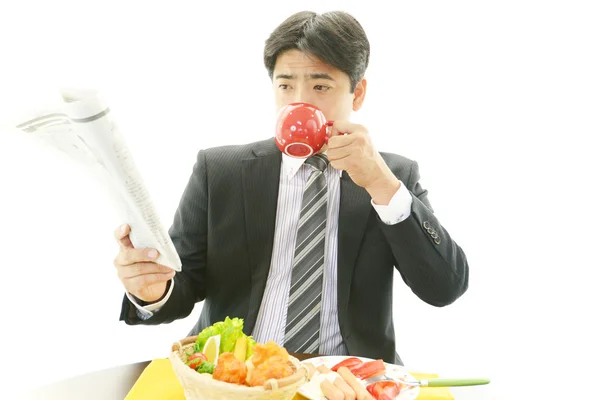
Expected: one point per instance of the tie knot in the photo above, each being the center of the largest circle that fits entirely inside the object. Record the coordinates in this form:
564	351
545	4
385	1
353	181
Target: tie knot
318	161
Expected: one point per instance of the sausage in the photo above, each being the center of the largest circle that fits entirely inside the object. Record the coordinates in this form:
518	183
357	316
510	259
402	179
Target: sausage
323	369
331	391
311	369
285	381
359	389
349	393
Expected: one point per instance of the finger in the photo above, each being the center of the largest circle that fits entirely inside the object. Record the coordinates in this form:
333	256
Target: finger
330	391
340	128
130	256
359	137
338	142
140	282
145	268
339	153
341	165
341	384
122	236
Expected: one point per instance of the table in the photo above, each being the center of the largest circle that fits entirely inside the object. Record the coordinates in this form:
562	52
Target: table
115	383
107	384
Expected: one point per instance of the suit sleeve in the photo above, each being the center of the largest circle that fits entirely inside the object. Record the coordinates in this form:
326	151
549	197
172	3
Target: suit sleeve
189	235
428	259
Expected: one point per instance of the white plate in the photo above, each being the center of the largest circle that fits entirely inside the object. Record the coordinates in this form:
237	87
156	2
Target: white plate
313	392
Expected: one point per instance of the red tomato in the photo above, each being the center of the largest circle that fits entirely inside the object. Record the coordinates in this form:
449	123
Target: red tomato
196	359
348	363
367	369
384	390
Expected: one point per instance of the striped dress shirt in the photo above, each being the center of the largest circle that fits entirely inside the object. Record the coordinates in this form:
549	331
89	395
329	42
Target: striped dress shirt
272	316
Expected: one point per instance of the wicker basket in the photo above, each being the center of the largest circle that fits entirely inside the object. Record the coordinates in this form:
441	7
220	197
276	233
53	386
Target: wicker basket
203	387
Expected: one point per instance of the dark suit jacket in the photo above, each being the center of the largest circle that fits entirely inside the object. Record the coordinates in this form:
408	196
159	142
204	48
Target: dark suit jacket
223	231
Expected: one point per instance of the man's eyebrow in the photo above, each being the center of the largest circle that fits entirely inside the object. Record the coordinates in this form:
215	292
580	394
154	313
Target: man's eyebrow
285	76
322	75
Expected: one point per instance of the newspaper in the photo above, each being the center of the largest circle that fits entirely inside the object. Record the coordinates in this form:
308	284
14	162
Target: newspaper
81	127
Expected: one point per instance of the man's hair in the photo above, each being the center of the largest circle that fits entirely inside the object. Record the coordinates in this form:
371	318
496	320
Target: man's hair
336	38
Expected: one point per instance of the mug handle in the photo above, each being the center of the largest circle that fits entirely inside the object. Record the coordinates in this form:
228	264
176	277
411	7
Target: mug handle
328	124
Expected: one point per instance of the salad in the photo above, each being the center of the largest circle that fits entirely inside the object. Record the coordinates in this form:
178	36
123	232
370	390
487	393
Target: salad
225	352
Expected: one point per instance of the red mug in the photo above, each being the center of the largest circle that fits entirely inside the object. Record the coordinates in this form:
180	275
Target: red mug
301	130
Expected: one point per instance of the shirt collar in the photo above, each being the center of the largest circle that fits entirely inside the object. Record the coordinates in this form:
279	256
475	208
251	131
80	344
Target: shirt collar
292	165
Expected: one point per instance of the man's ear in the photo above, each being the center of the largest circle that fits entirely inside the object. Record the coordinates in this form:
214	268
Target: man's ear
359	94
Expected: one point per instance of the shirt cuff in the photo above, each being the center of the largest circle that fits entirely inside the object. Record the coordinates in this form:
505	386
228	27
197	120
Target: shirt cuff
145	312
398	209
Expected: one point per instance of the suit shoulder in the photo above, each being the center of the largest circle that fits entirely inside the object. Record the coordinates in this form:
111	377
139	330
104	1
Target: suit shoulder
233	150
396	161
235	153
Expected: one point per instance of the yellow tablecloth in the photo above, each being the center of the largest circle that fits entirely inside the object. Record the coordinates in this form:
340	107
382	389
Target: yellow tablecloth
158	382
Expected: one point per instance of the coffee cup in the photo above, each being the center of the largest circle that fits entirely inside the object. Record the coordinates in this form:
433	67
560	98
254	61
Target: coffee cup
301	130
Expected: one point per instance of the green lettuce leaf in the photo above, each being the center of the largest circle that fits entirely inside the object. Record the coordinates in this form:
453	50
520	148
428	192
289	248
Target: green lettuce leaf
231	329
250	348
206	368
205	334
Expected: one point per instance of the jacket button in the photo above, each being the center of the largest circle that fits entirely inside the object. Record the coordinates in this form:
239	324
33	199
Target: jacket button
426	225
437	240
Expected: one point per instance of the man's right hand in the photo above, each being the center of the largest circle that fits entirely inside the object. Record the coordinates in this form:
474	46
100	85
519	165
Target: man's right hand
141	276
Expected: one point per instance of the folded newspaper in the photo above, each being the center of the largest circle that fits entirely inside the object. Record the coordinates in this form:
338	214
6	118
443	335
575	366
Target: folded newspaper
82	127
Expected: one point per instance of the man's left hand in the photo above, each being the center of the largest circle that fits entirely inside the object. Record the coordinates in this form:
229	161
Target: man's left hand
350	148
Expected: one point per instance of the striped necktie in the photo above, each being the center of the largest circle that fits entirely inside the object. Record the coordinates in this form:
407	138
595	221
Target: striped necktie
304	302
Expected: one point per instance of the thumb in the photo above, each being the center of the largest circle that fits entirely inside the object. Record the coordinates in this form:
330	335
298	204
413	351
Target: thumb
122	236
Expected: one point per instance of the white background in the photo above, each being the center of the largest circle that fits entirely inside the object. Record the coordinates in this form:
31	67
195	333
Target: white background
497	101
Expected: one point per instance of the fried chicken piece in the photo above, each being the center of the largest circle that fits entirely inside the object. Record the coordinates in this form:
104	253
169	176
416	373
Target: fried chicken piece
275	367
230	369
262	352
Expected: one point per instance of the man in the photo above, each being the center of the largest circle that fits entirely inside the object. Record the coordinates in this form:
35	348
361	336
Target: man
313	273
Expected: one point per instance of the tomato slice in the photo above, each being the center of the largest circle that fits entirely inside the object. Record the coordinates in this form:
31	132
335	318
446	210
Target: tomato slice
384	390
348	363
196	359
367	369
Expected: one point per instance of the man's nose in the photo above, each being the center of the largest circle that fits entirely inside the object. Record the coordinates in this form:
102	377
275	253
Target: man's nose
302	96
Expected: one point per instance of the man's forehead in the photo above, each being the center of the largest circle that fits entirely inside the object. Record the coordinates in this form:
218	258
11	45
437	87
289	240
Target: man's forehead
297	62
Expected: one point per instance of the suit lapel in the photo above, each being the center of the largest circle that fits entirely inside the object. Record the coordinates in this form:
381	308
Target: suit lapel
355	208
260	179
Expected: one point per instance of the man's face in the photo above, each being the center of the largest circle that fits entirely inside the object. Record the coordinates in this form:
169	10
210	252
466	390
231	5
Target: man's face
300	78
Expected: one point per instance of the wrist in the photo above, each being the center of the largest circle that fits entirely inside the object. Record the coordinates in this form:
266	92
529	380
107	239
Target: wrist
144	303
383	189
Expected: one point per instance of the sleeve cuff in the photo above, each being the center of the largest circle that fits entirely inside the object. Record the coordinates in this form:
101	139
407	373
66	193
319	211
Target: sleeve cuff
398	209
145	312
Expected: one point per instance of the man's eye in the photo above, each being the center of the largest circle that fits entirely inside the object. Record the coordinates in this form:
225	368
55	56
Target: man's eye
322	88
284	86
